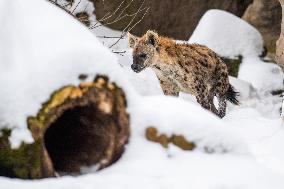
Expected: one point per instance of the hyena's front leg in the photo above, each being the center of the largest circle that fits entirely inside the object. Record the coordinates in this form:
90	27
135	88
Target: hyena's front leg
169	87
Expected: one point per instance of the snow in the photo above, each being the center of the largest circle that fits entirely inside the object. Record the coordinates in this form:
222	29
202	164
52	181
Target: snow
246	146
227	35
265	75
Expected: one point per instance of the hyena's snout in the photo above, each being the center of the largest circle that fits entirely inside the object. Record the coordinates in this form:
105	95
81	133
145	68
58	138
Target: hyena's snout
136	67
138	64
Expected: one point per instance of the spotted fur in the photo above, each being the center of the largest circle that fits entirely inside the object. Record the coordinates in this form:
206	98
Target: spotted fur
183	67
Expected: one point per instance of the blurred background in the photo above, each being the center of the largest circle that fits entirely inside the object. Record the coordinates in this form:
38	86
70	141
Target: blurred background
178	19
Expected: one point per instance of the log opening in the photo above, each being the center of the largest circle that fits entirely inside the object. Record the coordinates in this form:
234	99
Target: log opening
77	138
89	130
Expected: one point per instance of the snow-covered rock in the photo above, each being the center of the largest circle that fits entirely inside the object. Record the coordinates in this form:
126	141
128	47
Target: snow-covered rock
262	75
176	116
227	34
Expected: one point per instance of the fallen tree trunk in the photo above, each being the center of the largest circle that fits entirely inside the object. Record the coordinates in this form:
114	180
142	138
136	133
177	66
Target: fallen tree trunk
78	127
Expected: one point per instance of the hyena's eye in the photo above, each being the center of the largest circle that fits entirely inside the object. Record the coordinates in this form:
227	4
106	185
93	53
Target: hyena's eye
143	55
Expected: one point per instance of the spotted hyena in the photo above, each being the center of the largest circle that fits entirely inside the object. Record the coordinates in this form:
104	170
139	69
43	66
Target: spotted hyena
182	67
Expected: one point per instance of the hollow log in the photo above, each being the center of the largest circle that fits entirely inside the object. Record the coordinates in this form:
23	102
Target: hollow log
76	128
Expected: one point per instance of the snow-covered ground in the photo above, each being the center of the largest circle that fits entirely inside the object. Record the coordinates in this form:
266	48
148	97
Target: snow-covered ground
246	147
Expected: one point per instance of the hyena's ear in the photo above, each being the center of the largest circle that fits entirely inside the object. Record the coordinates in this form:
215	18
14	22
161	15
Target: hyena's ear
152	37
132	40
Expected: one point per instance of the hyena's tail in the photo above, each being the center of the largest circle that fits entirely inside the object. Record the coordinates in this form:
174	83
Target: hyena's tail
232	95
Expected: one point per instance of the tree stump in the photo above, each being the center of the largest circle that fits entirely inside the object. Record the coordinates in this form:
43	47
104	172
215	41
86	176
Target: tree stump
78	127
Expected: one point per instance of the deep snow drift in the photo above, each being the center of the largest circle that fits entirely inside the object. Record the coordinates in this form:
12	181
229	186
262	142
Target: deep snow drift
246	146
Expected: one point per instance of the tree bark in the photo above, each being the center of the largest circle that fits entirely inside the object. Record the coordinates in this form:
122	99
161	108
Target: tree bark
78	127
280	42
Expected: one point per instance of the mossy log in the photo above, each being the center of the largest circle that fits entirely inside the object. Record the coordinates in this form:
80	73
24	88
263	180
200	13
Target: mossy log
77	127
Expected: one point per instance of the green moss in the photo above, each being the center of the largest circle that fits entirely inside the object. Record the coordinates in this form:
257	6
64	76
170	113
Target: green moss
23	162
233	65
37	124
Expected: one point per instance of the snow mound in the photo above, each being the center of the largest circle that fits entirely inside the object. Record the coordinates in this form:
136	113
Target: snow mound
262	75
175	116
227	35
245	89
40	56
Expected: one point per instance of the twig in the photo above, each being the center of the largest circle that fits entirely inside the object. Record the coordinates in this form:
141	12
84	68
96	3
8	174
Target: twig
126	15
101	20
139	20
108	37
119	11
121	53
127	29
76	7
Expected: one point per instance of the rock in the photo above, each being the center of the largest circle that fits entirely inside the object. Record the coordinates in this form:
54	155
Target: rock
265	15
175	19
280	42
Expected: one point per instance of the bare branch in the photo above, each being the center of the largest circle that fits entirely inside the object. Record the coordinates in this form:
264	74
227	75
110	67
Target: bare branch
139	20
126	15
117	9
109	18
108	37
76	6
121	53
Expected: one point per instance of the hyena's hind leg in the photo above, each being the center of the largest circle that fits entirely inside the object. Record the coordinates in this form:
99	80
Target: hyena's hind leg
205	98
230	95
221	87
222	105
224	94
169	87
211	102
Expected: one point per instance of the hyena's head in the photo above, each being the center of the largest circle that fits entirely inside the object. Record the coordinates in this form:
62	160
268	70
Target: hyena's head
144	50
